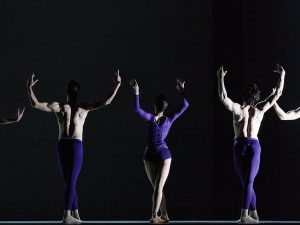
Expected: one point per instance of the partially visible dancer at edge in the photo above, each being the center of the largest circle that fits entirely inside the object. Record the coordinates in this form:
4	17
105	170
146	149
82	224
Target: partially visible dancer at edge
290	115
71	116
16	119
246	148
157	157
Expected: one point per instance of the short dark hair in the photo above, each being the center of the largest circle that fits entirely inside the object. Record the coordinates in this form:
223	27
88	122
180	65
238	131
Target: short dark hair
161	103
73	88
251	94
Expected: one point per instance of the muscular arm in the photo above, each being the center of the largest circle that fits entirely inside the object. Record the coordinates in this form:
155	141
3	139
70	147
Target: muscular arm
290	115
229	104
103	102
43	106
106	101
270	101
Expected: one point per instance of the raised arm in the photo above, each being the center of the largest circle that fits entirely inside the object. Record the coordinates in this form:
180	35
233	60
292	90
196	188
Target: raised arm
230	105
135	88
106	101
18	117
43	106
290	115
180	88
277	92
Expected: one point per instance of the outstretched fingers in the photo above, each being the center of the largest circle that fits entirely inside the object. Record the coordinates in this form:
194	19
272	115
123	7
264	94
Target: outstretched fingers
221	72
279	69
20	113
117	77
32	81
133	83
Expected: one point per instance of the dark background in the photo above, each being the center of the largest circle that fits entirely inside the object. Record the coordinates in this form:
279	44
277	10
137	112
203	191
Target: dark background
154	42
249	37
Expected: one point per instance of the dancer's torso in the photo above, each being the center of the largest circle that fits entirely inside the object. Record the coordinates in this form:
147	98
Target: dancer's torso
157	131
247	121
70	120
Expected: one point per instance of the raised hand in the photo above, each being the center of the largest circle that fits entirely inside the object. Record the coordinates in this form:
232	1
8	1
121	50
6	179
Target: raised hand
279	69
135	87
117	77
221	73
20	113
180	85
31	81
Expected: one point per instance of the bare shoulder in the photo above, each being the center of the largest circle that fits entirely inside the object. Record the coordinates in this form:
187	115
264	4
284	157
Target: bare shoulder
55	106
236	108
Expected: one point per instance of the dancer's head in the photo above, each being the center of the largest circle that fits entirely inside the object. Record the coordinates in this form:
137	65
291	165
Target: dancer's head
161	103
251	94
73	90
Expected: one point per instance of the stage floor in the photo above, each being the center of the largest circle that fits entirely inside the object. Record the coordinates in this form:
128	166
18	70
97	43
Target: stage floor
147	222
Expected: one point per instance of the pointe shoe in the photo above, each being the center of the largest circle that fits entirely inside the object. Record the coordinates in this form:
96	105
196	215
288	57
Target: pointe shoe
157	220
71	220
247	220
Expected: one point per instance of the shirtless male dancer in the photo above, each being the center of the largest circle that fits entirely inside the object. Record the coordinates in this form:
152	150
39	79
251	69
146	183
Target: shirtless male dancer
71	117
246	149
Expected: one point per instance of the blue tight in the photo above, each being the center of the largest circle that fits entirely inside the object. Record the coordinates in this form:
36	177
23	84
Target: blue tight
70	155
246	157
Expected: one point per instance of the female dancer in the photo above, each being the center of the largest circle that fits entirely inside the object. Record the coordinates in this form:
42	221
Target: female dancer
71	116
18	117
246	149
157	157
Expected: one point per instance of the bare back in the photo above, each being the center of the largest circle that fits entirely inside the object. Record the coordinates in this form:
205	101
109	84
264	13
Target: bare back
246	121
70	120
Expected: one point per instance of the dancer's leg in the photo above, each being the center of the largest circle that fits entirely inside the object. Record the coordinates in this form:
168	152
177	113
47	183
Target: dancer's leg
162	175
70	160
151	171
246	163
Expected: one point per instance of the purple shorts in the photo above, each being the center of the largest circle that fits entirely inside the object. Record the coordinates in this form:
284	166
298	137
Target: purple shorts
157	155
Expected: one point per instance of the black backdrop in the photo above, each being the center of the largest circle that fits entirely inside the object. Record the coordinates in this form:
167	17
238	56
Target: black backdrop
249	38
154	42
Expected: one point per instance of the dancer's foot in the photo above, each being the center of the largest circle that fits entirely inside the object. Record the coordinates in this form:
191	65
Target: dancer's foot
165	217
253	214
75	214
71	220
157	220
247	220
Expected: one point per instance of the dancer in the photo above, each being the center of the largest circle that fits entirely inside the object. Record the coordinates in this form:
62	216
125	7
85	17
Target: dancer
157	157
246	149
70	117
290	115
16	119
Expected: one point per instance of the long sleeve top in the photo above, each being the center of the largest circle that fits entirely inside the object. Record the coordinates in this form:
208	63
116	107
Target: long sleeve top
157	133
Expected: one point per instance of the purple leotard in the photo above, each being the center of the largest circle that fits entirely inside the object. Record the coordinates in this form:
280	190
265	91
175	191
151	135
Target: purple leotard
70	154
156	147
246	157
